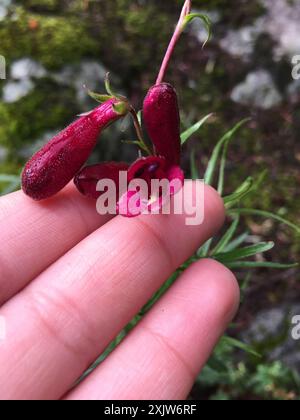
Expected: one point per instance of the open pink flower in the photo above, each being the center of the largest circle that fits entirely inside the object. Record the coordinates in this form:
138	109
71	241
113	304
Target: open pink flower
153	171
152	180
133	202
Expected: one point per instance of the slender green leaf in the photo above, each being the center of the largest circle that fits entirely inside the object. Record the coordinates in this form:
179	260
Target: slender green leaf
236	242
224	241
222	169
211	168
248	187
194	170
240	193
262	213
108	87
140	116
9	178
204	250
205	19
246	252
232	342
98	97
192	130
258	264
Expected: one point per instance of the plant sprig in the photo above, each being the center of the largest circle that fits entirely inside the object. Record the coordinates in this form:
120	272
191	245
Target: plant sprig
185	18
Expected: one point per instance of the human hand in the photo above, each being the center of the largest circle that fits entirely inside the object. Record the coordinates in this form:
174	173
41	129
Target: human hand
70	280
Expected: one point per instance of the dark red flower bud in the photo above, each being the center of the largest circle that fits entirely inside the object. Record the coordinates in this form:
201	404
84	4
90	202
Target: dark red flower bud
56	164
162	121
87	179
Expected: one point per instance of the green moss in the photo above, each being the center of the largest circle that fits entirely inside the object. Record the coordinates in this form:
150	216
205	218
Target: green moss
41	5
53	40
132	36
44	109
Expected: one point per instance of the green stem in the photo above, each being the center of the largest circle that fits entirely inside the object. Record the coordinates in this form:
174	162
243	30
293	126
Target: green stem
139	131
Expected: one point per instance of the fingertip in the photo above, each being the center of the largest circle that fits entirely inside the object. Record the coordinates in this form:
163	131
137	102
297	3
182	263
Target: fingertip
222	286
214	206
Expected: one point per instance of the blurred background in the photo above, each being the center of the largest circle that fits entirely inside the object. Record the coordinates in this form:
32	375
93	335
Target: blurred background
54	47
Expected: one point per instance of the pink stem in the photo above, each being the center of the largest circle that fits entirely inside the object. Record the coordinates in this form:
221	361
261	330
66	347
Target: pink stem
178	31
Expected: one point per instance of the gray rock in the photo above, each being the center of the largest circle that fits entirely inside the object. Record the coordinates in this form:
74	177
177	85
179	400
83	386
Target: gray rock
4	4
275	325
240	43
13	91
27	68
280	21
89	73
257	90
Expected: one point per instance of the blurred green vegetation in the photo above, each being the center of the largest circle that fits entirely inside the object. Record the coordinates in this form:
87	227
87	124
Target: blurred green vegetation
129	37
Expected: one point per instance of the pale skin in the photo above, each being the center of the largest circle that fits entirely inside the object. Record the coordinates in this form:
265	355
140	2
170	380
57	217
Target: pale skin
70	280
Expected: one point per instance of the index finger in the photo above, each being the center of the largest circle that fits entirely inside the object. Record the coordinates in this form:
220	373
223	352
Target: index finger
45	229
60	323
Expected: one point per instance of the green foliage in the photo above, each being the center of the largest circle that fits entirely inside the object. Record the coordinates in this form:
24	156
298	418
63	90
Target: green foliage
192	130
41	5
9	177
222	144
250	378
52	40
205	20
9	183
43	109
139	35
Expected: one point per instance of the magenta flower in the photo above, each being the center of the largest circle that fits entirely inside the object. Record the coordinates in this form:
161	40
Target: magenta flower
87	179
150	169
162	121
161	115
56	164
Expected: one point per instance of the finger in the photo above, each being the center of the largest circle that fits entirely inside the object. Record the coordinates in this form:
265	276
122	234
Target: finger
163	355
75	308
34	235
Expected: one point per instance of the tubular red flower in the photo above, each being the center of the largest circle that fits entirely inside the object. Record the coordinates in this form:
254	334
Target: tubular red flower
162	121
87	179
54	166
133	202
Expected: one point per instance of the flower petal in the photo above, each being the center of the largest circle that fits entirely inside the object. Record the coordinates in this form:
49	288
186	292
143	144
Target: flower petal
147	168
162	121
131	204
87	179
150	169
